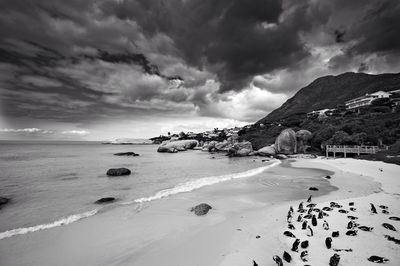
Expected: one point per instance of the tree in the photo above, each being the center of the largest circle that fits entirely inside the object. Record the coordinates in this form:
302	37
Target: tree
339	138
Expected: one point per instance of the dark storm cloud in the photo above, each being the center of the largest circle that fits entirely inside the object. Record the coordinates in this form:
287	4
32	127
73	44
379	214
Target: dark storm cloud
85	60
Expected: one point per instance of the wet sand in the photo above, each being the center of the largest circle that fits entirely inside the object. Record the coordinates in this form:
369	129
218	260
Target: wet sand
165	232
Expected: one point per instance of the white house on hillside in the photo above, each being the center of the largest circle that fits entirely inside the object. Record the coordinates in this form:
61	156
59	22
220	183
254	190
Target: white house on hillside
366	99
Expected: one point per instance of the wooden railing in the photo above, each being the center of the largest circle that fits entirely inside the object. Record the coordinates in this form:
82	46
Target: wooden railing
352	149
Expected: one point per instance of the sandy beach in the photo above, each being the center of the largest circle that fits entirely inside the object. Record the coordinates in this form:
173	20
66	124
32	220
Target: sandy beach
246	223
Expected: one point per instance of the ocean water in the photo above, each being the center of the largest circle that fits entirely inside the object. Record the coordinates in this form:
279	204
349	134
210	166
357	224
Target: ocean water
56	183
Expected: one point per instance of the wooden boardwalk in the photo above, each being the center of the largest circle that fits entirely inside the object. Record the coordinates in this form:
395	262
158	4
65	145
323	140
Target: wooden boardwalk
352	149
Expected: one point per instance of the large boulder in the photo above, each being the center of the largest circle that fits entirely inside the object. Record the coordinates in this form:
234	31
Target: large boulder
267	150
201	209
223	146
302	136
177	145
118	171
286	142
240	149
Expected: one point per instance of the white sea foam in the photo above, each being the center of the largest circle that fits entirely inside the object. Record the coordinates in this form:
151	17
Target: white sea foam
202	182
63	221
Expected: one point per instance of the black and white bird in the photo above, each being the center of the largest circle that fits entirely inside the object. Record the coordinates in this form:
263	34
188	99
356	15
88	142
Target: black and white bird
295	246
314	220
310	232
373	209
304	244
300	218
304	225
328	242
255	263
334	260
277	260
304	255
325	225
309	198
287	257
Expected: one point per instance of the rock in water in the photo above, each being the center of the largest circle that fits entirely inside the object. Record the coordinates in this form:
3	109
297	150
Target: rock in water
105	200
126	154
328	177
334	260
177	145
373	209
377	259
277	260
201	209
3	201
286	142
389	226
287	257
328	242
118	171
313	188
304	244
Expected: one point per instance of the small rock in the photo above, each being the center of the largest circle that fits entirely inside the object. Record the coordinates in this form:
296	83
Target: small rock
4	201
201	209
105	200
126	154
313	189
118	171
328	177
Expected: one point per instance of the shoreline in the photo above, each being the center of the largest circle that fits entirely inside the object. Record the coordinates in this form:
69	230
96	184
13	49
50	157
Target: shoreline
177	237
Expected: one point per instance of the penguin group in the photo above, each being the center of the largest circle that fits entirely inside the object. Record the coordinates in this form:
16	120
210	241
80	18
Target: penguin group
309	216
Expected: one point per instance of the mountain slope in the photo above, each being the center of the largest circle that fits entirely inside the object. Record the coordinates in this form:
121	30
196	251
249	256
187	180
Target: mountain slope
331	91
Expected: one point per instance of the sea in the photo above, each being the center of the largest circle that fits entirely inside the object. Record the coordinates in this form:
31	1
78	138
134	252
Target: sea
53	183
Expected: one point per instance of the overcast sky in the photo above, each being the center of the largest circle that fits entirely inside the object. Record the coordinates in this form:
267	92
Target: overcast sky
96	70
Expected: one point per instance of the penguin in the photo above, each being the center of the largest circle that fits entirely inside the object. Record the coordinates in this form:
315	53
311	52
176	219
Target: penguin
351	233
300	218
309	198
310	210
389	226
304	244
350	225
311	205
320	215
287	257
309	231
335	234
255	263
373	209
291	226
303	255
385	212
328	242
304	225
300	205
377	259
351	203
295	246
325	225
289	217
334	260
277	260
365	228
291	209
314	221
289	234
307	216
354	209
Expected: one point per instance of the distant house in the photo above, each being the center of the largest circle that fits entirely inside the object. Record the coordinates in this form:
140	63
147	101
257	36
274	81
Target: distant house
366	99
318	113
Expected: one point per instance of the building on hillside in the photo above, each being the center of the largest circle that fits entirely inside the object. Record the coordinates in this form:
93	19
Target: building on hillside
319	113
366	99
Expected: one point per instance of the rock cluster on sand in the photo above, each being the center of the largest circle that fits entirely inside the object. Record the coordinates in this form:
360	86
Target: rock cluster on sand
177	145
3	201
118	171
126	154
105	200
286	142
201	209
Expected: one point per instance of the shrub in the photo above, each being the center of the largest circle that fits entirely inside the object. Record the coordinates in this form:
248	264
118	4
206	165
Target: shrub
339	138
